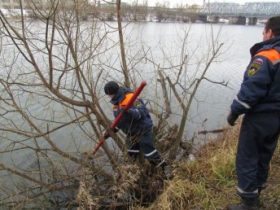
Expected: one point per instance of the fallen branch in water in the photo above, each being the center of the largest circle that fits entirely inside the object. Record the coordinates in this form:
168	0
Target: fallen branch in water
220	130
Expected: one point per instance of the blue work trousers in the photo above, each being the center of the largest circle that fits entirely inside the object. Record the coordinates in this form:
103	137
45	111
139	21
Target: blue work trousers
143	142
257	142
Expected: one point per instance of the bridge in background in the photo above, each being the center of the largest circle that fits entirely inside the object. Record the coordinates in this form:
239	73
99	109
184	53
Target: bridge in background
238	14
249	13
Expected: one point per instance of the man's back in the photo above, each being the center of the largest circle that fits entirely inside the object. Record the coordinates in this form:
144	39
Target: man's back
137	119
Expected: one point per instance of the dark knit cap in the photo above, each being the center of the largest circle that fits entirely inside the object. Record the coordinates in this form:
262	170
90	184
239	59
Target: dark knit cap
111	88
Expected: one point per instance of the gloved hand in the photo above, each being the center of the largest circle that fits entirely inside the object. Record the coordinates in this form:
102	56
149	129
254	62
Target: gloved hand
231	118
107	133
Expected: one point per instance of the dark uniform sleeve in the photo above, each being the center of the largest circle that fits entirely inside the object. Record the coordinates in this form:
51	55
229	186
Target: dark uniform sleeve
255	85
138	109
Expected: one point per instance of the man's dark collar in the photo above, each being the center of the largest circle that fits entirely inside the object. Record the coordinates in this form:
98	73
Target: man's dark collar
268	44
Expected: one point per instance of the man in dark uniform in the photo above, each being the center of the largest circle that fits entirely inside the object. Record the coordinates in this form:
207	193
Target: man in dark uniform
259	100
136	123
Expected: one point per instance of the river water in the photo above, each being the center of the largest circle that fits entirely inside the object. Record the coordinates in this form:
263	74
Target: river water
213	101
163	44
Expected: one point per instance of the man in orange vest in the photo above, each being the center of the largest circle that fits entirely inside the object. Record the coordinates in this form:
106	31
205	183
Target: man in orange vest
259	100
136	123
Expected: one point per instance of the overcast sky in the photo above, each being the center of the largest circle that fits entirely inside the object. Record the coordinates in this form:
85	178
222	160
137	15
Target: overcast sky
175	2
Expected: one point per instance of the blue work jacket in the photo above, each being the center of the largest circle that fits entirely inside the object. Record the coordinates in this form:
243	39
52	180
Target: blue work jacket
260	89
137	119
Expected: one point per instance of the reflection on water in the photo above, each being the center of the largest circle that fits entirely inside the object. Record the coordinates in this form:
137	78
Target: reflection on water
162	42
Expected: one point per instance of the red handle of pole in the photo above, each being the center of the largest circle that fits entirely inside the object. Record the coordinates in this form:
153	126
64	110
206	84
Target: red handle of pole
120	115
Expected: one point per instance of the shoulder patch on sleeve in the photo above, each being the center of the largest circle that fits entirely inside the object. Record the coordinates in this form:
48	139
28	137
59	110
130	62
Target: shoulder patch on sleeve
255	66
137	103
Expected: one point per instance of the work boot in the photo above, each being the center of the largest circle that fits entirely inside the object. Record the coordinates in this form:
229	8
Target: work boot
262	187
167	170
246	204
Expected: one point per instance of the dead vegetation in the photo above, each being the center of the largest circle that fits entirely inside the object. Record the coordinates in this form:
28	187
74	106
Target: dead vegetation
53	108
135	183
209	182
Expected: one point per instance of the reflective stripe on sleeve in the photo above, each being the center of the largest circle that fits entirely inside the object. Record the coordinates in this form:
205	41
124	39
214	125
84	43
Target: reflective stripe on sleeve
247	106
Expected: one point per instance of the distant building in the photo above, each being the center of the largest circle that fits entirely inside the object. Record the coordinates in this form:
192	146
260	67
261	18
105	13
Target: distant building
42	4
11	4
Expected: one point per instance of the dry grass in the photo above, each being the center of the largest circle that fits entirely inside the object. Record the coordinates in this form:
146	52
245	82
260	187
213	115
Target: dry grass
209	182
84	198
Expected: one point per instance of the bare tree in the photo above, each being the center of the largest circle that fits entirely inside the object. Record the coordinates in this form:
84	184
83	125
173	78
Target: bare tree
50	82
123	57
161	11
52	107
